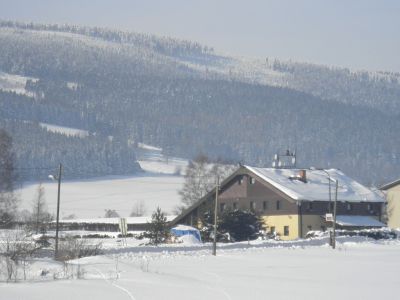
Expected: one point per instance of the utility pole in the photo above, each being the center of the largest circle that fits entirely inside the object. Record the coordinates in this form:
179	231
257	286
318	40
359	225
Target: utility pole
330	197
215	218
38	211
58	210
334	216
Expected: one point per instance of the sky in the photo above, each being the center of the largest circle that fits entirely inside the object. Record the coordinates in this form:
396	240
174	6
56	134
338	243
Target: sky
358	34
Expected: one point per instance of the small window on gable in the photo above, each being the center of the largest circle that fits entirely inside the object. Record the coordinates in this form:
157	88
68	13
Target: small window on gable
349	206
265	205
252	180
278	205
240	180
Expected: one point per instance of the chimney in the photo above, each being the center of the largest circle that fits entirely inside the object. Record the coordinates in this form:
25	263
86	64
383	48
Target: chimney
303	176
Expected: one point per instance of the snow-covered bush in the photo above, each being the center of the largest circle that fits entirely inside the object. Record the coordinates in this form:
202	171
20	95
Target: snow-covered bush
16	247
71	248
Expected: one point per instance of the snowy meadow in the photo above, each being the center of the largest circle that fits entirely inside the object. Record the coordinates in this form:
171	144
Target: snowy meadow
308	269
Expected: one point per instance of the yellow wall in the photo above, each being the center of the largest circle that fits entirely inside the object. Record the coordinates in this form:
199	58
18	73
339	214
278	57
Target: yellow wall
393	207
279	222
312	220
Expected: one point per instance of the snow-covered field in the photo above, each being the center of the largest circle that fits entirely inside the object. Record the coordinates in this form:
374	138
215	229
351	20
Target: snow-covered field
358	269
89	198
15	83
65	130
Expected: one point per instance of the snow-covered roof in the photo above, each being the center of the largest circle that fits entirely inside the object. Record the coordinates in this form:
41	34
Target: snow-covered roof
358	221
184	227
129	220
316	188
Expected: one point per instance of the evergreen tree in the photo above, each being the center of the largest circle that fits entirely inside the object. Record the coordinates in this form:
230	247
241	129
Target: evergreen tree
8	201
158	228
241	225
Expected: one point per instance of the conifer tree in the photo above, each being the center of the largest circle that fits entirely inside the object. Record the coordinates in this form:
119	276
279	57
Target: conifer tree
8	201
158	228
241	225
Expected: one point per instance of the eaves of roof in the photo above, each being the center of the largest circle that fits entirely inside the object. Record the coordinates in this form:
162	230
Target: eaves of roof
390	185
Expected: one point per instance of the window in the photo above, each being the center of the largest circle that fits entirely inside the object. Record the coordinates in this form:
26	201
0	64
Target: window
272	229
265	205
252	205
285	230
234	205
278	205
240	180
349	206
252	180
221	207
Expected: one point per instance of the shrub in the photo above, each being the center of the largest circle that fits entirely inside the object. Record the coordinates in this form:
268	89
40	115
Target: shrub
242	225
71	248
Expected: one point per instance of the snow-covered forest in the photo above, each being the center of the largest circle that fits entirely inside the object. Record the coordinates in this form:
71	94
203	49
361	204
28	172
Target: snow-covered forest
124	88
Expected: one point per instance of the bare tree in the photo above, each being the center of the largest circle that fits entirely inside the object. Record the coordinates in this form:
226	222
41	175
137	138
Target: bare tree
197	182
139	209
200	178
40	215
111	213
16	247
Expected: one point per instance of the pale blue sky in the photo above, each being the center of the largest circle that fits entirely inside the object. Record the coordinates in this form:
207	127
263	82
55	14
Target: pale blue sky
360	34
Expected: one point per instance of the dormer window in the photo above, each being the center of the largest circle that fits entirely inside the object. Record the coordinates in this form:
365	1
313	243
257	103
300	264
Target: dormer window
349	206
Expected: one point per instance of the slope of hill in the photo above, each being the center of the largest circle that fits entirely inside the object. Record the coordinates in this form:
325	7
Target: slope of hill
156	186
127	88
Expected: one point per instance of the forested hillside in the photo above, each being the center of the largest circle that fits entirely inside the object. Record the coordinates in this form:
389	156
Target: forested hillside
123	88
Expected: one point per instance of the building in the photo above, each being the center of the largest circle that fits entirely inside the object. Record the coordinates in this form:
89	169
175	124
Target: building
105	224
292	202
392	192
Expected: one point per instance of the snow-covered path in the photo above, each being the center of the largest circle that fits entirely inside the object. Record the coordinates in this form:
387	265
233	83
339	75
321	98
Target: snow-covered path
354	271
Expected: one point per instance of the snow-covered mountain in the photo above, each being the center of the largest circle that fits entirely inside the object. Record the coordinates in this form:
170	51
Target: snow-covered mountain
123	88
